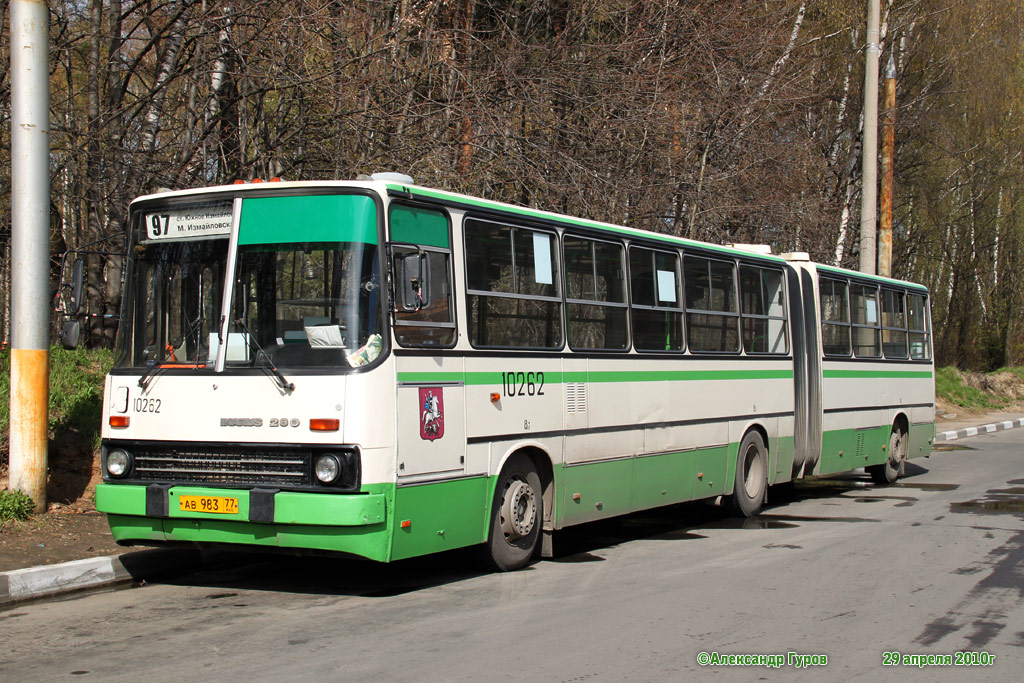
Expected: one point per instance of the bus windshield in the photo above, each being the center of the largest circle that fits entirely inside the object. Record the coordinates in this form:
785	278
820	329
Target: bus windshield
305	291
309	304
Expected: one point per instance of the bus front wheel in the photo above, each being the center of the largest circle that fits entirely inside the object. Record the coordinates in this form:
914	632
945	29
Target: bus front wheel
886	473
517	514
751	476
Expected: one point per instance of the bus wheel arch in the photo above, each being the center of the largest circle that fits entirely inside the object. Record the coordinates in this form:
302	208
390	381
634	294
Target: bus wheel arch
889	471
750	484
520	509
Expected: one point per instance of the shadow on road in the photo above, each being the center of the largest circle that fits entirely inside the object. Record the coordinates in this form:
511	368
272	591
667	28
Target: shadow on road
281	571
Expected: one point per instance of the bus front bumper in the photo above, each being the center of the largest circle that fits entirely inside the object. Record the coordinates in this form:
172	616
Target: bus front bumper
159	513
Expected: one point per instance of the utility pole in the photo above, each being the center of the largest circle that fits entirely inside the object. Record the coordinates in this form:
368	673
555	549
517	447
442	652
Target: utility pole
888	158
869	161
30	246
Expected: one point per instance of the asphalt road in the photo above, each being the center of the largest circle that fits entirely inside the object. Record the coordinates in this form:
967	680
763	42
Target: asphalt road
836	569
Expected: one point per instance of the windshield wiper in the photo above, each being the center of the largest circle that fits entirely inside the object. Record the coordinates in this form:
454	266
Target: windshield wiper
169	351
279	378
151	370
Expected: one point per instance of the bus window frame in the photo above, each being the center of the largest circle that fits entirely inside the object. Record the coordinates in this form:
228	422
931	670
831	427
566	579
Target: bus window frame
876	327
846	324
623	283
927	331
393	293
397	306
784	318
902	293
732	262
556	265
680	294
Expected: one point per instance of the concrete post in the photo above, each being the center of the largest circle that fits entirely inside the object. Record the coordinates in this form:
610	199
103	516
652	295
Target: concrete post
869	161
30	246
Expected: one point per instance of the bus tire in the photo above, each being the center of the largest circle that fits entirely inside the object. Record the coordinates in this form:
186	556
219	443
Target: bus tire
517	514
751	476
889	471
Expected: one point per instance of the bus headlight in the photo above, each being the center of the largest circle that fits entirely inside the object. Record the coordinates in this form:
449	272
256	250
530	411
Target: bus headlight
118	463
327	468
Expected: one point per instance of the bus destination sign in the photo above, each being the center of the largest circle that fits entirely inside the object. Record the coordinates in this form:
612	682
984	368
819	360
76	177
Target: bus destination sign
213	220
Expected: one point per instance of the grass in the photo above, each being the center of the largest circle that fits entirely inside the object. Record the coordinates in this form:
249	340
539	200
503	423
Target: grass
950	386
15	505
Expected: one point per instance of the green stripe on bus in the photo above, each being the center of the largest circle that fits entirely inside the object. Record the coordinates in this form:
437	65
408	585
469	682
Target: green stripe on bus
478	378
878	374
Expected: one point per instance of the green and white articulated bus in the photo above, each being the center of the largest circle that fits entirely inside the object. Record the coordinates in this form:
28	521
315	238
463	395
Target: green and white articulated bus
385	370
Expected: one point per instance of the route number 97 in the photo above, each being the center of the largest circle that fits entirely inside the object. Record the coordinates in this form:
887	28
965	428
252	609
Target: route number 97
522	383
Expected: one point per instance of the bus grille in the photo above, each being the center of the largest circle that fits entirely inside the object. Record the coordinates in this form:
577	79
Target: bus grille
224	466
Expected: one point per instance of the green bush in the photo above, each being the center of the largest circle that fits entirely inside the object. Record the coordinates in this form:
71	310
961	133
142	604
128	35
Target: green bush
15	505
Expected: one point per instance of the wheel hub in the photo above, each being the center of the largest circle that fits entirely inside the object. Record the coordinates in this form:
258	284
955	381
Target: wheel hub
518	510
896	449
753	472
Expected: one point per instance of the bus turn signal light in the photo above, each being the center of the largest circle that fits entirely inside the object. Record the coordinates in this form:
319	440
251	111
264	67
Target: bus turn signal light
324	424
119	421
495	397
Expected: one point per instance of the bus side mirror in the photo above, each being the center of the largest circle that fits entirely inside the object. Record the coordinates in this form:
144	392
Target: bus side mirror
76	288
69	334
414	280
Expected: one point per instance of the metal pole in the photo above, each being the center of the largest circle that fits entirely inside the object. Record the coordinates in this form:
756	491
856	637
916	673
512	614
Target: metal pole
869	161
888	153
30	246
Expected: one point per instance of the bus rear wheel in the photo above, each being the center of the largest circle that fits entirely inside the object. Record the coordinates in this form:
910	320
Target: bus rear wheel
751	476
517	514
888	472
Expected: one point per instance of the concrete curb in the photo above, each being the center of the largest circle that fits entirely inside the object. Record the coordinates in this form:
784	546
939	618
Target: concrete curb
975	431
95	572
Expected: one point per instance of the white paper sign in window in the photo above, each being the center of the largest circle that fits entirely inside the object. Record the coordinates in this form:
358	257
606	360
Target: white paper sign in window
667	286
542	259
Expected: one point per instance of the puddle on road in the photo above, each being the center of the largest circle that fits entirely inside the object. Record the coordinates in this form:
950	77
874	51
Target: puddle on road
997	501
803	518
924	486
1015	506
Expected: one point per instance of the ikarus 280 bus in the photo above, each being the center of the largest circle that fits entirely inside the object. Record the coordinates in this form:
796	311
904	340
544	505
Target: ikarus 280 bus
386	370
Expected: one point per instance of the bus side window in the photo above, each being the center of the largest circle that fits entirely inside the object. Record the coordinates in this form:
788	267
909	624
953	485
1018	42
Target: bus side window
866	341
712	314
763	304
656	304
512	286
894	324
421	276
596	294
835	317
917	318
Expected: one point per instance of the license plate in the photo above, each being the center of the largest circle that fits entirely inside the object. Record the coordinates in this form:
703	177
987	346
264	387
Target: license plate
216	504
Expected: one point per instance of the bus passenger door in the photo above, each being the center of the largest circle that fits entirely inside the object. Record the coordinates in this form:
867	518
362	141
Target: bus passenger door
431	384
